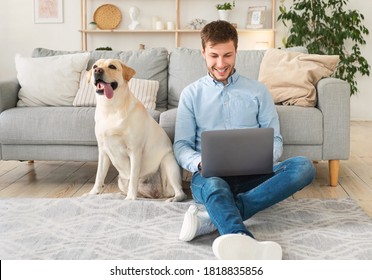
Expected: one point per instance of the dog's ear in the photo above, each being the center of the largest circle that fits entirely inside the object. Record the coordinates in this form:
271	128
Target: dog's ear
89	75
128	72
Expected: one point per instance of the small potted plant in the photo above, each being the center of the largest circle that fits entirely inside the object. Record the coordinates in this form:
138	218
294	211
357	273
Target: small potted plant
226	6
92	25
225	9
104	49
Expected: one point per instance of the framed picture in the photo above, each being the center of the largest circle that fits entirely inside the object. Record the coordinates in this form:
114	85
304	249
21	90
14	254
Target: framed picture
48	11
256	17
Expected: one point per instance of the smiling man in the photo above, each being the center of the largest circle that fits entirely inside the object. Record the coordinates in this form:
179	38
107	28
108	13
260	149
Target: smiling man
223	99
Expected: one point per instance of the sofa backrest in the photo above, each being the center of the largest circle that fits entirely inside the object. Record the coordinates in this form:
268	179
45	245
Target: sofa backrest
185	66
188	65
151	64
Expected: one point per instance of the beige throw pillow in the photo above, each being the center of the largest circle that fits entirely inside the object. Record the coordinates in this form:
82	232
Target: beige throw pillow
291	77
144	90
49	81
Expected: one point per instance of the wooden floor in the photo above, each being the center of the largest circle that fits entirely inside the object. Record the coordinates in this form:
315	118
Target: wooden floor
72	179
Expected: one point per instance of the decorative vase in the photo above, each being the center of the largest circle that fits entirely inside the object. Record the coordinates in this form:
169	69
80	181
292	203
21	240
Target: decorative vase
224	14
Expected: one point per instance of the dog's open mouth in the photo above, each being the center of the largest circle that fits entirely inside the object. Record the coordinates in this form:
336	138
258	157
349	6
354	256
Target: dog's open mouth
105	88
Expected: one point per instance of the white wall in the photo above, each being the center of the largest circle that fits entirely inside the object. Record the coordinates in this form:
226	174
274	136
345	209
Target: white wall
361	104
19	34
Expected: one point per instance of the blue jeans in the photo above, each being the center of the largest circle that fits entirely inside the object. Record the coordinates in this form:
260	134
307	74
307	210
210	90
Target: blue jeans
232	200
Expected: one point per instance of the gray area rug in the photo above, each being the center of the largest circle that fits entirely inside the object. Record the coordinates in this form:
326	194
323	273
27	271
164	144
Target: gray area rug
108	227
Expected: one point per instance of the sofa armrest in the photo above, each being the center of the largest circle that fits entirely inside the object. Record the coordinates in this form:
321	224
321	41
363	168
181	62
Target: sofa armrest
167	121
334	102
8	94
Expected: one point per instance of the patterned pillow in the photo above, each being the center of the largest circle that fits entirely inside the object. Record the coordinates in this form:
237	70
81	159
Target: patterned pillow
144	90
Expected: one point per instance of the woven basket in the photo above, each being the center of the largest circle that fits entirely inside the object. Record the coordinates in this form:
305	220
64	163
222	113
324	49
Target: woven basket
107	16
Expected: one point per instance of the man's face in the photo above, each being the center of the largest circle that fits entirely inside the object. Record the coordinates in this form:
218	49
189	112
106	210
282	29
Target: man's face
220	60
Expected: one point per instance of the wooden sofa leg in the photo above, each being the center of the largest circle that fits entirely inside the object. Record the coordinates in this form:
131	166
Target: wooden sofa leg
334	167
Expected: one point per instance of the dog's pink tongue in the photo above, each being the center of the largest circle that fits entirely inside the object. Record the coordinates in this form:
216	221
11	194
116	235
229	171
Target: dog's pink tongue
107	90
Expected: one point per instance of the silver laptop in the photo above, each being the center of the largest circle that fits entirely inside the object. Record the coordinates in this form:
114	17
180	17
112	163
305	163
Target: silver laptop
237	152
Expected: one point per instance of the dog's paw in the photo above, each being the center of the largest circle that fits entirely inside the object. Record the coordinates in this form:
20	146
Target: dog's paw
96	189
131	197
177	198
94	192
172	199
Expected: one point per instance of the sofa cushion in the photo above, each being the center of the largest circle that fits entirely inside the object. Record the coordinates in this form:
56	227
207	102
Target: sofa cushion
144	90
86	95
185	66
300	125
291	77
49	81
50	125
150	64
248	62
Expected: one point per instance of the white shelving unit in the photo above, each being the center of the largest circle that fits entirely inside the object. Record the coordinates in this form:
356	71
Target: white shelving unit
249	38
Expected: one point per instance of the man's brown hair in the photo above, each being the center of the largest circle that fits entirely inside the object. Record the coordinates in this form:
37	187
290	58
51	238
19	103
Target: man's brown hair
217	32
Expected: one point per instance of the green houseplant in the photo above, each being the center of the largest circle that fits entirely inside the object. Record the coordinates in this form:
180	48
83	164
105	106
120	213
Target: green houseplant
327	27
226	6
104	49
225	9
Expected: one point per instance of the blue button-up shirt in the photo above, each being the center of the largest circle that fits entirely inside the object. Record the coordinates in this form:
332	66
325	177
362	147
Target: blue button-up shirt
208	104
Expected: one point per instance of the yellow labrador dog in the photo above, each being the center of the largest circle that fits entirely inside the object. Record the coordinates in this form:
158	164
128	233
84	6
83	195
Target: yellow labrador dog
131	139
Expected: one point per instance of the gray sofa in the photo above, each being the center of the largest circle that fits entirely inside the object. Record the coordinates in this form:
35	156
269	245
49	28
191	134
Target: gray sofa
67	133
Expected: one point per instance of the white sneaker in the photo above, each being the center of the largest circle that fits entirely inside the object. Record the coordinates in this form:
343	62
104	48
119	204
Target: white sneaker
195	223
244	247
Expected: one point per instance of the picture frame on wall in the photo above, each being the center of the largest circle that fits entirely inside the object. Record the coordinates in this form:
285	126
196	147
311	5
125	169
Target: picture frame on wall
48	11
256	17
